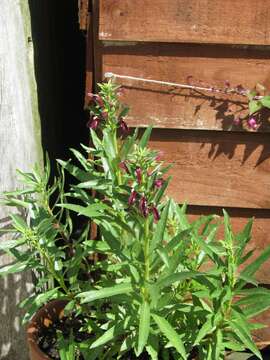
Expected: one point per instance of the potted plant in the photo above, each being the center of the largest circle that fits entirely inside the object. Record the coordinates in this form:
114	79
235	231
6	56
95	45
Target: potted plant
160	287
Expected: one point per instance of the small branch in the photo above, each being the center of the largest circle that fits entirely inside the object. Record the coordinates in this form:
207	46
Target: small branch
183	86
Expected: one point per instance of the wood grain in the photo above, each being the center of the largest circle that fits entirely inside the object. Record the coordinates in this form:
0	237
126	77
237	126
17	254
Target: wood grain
20	148
199	21
167	107
217	169
83	13
239	217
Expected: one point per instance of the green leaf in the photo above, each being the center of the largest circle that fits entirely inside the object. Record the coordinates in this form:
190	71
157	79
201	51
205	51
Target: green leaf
152	347
98	246
128	144
240	327
14	268
124	112
266	101
82	160
108	144
166	328
96	184
254	106
184	275
163	256
10	244
75	171
248	279
104	338
256	307
67	347
218	347
162	190
19	223
206	329
102	293
144	326
243	238
36	301
160	229
91	211
254	266
145	138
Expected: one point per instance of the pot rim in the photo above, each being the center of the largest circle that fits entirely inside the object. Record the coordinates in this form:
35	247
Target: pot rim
48	311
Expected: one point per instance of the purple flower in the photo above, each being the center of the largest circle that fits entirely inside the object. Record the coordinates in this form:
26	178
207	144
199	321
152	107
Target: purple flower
132	197
159	155
252	123
93	123
123	126
237	121
123	166
155	213
158	183
99	101
143	206
240	89
138	173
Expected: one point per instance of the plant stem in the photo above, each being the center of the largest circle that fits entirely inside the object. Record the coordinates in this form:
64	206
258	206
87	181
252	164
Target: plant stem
146	250
119	177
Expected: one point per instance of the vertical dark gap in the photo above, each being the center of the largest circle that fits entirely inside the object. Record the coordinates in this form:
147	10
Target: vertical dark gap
59	54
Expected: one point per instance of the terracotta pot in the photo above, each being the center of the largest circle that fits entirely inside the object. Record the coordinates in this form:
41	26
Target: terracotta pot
43	317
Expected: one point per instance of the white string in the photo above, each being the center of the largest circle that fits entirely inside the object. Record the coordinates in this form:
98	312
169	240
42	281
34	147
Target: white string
183	86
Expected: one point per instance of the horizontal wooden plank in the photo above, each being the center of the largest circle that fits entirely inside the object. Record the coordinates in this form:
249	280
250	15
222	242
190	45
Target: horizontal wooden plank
199	21
239	217
209	65
217	169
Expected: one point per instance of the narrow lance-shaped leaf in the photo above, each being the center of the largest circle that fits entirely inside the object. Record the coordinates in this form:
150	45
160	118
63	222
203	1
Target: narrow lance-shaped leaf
167	329
160	229
107	292
254	266
109	335
244	336
145	138
144	326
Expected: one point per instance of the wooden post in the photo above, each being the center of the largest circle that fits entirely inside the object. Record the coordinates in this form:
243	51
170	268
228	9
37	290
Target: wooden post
20	147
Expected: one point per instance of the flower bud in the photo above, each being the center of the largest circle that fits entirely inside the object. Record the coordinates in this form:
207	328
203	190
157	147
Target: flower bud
158	183
236	121
123	166
93	123
138	173
99	101
123	127
252	123
132	197
143	206
155	213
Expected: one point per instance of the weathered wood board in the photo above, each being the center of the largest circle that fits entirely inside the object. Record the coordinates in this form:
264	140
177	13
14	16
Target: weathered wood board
200	21
20	147
168	107
215	163
217	169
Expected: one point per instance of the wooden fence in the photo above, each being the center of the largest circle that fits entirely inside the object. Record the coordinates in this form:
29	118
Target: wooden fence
216	163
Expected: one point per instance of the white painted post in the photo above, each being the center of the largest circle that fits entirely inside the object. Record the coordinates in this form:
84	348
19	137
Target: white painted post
20	147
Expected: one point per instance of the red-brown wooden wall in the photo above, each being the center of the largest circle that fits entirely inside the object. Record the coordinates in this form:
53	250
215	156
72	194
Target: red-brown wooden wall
216	164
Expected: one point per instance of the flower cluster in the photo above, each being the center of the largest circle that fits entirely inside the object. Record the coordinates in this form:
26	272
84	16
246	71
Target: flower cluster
144	186
100	113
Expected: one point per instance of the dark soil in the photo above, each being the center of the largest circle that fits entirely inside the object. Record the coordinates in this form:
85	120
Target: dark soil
47	340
